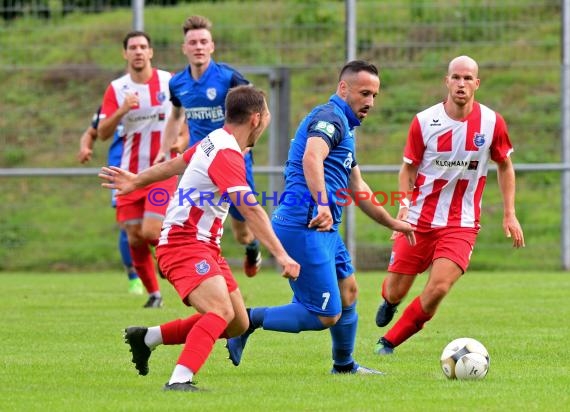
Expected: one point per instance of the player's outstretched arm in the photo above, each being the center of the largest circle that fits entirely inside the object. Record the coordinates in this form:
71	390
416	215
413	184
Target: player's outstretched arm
125	182
406	181
116	178
375	211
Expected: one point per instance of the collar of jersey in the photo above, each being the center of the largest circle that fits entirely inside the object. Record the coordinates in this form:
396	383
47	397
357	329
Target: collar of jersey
353	121
204	75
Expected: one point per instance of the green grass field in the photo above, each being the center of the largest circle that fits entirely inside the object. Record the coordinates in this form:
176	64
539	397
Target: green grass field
62	350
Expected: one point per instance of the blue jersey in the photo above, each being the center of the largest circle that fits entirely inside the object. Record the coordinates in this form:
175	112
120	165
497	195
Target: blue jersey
334	122
204	99
204	102
116	148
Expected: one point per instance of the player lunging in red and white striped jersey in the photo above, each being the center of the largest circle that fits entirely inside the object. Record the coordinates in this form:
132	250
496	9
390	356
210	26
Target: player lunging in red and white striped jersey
213	174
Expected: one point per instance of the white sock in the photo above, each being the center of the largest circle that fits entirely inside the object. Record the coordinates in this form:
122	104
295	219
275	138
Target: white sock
153	337
181	374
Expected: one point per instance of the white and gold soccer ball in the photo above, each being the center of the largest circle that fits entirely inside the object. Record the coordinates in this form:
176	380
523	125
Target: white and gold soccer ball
465	358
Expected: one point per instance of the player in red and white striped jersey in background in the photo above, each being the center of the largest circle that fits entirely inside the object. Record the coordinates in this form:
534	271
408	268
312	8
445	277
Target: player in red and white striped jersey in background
446	159
140	101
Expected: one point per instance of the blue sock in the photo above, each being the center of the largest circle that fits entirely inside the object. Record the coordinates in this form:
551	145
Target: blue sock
126	254
256	316
292	318
343	335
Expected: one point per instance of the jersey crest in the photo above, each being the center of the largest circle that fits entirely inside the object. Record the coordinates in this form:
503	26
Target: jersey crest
211	93
479	139
202	267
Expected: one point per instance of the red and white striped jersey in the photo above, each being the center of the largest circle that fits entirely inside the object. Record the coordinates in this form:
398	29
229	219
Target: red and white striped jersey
200	204
453	158
143	126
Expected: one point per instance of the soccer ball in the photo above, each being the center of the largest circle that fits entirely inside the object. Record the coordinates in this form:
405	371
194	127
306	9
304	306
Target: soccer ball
465	358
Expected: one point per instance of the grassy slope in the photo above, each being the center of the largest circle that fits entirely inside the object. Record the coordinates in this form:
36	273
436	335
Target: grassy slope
64	351
52	94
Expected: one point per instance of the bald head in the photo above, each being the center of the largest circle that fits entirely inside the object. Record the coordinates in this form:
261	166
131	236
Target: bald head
463	63
462	82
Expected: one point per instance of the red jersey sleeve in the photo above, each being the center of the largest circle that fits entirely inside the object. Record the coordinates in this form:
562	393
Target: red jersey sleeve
110	103
501	146
188	153
227	171
415	146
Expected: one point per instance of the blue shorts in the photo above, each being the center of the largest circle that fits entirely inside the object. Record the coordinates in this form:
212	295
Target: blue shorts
324	260
248	159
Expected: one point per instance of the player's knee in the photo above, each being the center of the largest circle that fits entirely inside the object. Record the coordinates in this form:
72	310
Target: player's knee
329	321
348	299
227	313
438	291
395	295
349	294
150	235
136	240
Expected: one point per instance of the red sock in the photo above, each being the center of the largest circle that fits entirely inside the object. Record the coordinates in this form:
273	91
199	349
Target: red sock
144	265
411	322
200	341
175	332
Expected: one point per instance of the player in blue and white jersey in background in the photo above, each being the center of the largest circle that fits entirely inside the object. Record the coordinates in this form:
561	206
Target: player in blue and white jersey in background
322	163
86	144
198	94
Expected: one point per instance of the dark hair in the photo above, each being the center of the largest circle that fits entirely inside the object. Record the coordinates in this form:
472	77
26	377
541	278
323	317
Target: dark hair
136	33
196	23
242	101
357	66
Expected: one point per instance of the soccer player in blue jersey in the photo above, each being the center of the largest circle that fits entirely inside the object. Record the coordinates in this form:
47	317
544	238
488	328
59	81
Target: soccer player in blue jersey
198	94
321	169
86	144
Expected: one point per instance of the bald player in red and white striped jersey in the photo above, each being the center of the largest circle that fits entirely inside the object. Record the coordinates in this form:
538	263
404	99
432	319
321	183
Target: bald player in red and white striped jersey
452	158
446	159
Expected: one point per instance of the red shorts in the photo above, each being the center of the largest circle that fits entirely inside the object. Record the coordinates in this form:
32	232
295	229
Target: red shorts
186	267
148	201
455	244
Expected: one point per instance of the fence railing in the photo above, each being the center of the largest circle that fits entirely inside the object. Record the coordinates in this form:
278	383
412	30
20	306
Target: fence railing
54	219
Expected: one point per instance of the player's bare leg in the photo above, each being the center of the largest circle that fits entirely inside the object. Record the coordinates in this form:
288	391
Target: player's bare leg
443	275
